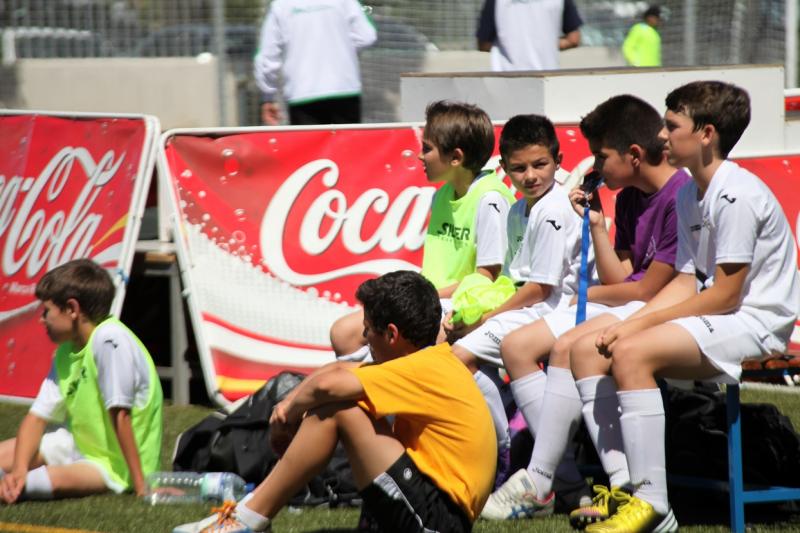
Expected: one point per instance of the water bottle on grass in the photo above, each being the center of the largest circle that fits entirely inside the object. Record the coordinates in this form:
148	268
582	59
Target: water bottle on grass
194	487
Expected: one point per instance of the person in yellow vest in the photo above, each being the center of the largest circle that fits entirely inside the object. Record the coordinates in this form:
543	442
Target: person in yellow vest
467	229
429	469
642	46
102	387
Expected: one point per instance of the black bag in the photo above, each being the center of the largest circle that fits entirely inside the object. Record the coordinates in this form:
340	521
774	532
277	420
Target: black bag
239	442
697	439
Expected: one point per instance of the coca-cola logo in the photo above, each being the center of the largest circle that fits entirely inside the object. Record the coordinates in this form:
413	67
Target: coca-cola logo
330	217
40	235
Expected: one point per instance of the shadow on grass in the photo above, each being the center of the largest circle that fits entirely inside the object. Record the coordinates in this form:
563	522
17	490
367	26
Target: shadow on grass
709	508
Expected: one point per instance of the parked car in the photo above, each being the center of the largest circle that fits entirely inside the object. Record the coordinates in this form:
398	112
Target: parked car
46	42
241	41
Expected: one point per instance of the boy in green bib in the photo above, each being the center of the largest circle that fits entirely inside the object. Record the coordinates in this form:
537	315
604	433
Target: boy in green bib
102	388
467	228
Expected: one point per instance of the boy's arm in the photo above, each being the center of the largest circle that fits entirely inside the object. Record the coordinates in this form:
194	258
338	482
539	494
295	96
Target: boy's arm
720	299
490	271
656	277
121	420
527	295
29	436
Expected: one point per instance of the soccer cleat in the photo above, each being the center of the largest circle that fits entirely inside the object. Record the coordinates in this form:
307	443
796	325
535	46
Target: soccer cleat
635	516
223	521
603	505
517	499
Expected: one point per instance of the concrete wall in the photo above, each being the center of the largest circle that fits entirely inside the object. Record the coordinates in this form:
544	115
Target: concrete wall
566	95
181	92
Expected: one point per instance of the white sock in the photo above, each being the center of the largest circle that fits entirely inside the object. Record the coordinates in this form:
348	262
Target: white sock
249	517
601	415
38	485
642	423
528	392
496	408
561	412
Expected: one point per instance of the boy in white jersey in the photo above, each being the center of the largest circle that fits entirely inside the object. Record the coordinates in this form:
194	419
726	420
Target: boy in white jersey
735	297
623	134
467	230
543	253
102	385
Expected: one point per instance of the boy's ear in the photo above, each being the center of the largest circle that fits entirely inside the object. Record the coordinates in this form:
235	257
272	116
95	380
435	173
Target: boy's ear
559	158
457	157
708	134
73	307
503	164
392	333
637	155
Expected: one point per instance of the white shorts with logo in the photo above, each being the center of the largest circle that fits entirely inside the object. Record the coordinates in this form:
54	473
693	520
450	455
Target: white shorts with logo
727	340
58	449
484	342
562	320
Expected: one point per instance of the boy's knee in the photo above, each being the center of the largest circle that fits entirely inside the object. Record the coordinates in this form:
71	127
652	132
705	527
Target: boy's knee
466	357
560	354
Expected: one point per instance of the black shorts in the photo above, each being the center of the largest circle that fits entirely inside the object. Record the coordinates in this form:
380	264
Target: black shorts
404	500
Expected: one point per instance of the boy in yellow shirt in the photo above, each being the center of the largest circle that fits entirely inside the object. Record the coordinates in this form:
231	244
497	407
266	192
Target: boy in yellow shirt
430	470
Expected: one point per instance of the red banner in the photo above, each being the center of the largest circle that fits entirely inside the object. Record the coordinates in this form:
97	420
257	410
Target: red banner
279	227
66	189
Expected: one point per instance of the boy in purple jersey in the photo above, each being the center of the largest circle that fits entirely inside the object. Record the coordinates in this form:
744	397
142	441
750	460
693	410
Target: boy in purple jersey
623	134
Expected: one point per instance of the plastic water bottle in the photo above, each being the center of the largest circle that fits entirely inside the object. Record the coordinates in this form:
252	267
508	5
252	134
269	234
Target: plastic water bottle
194	487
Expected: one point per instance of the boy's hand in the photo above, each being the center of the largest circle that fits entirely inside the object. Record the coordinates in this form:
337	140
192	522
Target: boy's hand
281	430
606	341
579	199
11	486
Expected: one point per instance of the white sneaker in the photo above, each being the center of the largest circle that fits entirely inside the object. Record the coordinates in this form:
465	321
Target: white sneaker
517	498
223	520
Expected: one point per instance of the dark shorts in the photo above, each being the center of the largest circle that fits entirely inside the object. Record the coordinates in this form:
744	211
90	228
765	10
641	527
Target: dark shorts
404	500
345	110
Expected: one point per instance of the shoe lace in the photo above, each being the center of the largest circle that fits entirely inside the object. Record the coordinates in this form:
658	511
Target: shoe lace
225	514
601	496
629	509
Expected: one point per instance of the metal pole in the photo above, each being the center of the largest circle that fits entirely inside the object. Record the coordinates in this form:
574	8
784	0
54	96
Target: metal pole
737	27
219	51
791	43
689	32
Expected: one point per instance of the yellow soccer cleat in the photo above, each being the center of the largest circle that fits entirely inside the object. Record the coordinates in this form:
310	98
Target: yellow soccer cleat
635	516
603	505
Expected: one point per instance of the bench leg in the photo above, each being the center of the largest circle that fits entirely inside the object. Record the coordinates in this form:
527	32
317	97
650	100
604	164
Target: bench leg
735	466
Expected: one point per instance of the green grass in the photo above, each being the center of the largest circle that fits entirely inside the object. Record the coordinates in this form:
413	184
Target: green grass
697	511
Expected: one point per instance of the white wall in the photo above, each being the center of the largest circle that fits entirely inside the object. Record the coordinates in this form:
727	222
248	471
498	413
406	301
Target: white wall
567	95
181	92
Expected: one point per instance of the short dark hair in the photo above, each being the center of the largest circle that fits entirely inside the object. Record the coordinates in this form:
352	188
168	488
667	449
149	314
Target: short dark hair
723	105
450	125
622	121
524	130
652	11
83	280
405	299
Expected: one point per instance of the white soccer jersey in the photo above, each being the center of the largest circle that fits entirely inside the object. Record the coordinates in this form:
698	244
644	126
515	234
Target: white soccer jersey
740	221
550	249
123	375
527	35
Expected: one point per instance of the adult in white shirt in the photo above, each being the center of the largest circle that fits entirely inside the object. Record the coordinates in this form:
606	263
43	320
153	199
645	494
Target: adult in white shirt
312	45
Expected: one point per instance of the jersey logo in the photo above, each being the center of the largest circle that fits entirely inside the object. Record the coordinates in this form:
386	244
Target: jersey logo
728	198
496	208
461	234
112	343
553	222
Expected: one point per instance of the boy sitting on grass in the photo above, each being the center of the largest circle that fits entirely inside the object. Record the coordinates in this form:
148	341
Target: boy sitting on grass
431	469
102	386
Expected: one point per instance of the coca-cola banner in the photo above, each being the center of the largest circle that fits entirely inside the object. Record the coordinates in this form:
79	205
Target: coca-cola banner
70	187
277	228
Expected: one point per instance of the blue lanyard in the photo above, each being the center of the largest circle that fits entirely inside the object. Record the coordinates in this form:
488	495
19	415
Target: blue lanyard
583	279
